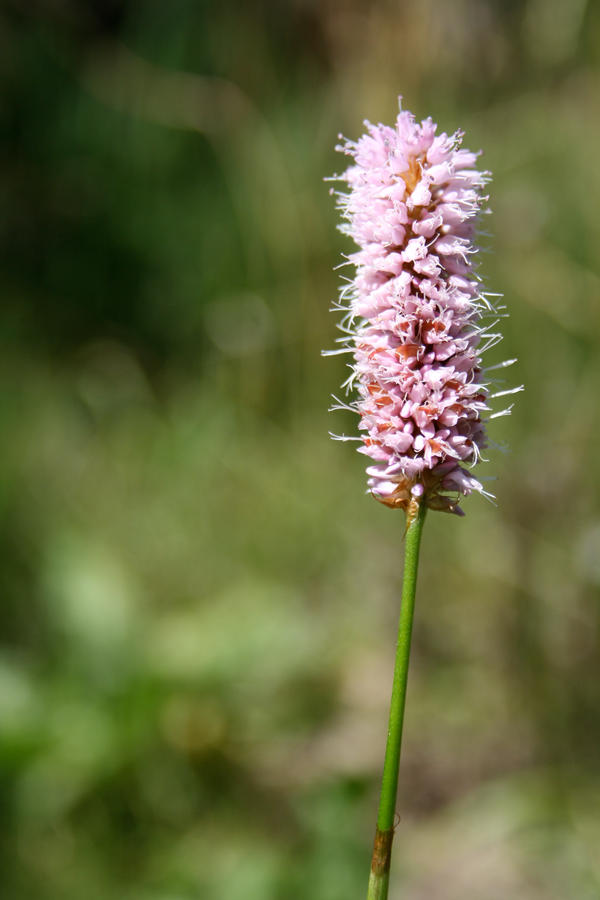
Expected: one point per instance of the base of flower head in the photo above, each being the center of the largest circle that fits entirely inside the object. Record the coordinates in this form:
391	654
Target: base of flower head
440	488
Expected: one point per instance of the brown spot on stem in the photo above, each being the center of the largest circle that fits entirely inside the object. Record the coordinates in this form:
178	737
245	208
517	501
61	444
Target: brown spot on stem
412	511
382	852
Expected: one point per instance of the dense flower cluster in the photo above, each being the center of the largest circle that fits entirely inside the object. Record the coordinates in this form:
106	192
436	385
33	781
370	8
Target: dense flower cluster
415	311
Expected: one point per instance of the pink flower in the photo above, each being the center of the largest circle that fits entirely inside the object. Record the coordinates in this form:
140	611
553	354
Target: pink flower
415	311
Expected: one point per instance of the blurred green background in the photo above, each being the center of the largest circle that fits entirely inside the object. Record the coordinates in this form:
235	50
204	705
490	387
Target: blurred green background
199	601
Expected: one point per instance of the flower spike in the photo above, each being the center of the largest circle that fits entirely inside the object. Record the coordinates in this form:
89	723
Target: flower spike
415	314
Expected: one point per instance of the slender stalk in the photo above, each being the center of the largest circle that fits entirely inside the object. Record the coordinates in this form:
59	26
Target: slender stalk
382	851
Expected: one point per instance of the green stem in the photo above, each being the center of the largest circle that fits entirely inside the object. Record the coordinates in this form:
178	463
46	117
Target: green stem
382	851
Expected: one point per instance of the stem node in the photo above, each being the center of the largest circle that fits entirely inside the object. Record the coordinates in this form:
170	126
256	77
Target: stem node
382	851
